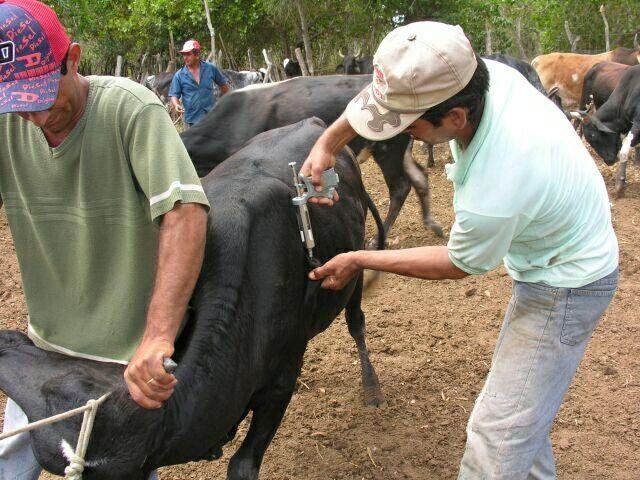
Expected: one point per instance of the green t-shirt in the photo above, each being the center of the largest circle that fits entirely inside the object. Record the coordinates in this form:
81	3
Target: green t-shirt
84	217
527	193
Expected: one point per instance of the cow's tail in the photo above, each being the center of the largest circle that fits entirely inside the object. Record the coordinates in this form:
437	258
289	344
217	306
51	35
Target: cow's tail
371	277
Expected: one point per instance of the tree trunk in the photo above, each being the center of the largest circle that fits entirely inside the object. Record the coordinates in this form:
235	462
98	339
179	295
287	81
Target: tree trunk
487	39
523	54
572	40
303	66
118	66
172	53
212	32
252	62
305	35
607	39
143	73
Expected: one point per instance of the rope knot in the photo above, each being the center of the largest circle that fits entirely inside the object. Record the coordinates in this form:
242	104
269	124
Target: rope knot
75	468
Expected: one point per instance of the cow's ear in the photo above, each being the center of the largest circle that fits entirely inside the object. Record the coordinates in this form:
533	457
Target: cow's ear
635	131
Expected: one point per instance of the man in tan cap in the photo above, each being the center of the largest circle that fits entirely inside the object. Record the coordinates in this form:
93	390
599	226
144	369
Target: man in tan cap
527	194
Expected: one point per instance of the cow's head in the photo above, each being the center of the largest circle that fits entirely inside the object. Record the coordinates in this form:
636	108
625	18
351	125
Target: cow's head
603	139
349	65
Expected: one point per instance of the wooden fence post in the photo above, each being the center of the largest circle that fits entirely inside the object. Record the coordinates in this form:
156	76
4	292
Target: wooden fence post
607	41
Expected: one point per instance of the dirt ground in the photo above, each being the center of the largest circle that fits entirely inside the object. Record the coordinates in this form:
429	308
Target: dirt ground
431	343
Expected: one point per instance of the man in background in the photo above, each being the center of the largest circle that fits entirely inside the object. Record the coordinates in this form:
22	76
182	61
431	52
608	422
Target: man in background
193	84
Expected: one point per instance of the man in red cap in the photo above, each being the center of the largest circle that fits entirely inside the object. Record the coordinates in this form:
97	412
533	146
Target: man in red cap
193	83
105	208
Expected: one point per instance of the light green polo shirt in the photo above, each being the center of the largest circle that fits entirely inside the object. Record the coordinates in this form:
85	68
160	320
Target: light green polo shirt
84	217
527	192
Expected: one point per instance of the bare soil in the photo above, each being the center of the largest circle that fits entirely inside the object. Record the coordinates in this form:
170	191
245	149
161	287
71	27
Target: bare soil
431	343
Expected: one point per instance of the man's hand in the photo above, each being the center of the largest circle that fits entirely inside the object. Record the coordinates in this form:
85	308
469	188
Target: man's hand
148	382
317	162
179	108
337	272
323	155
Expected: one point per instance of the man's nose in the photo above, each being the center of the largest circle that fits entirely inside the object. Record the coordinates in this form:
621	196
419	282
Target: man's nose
38	118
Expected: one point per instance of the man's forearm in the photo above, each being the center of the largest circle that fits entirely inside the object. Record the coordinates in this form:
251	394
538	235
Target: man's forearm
337	135
175	102
180	254
429	263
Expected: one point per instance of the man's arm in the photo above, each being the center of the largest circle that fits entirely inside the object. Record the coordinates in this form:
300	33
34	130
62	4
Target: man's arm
224	89
180	254
175	103
323	154
429	263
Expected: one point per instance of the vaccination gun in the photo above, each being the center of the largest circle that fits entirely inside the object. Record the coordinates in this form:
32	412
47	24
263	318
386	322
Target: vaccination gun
304	191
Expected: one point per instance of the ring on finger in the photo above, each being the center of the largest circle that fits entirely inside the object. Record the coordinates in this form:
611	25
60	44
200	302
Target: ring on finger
151	380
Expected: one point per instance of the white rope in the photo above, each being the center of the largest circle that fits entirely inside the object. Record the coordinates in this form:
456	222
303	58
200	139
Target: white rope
76	465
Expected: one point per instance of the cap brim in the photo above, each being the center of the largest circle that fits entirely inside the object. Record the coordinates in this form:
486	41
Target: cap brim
31	94
374	121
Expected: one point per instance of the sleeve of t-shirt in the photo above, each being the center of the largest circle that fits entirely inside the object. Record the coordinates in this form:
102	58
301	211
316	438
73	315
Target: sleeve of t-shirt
175	90
478	243
160	162
218	77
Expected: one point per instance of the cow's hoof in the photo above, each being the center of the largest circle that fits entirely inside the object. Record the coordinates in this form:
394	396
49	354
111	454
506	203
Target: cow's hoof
373	398
435	227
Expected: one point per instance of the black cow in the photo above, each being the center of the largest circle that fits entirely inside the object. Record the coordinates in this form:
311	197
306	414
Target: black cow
291	68
619	115
240	115
159	84
355	64
242	78
254	313
600	82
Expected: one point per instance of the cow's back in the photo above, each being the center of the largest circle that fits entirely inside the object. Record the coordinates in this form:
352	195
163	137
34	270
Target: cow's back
242	114
566	71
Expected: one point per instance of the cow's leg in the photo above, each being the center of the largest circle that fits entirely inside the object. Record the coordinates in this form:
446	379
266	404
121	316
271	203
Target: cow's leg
387	156
427	149
267	415
621	174
637	157
355	321
419	179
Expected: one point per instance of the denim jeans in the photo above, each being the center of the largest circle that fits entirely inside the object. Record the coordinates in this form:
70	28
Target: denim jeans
542	340
17	461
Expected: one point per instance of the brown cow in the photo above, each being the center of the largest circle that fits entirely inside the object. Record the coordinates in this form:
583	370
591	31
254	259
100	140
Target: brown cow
567	70
600	82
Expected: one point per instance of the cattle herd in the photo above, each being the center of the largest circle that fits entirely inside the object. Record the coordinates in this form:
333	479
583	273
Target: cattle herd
243	346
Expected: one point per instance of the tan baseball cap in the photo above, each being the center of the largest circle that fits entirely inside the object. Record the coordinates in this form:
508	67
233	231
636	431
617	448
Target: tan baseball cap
416	67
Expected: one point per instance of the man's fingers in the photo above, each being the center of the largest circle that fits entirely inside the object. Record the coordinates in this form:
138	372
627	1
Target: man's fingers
158	373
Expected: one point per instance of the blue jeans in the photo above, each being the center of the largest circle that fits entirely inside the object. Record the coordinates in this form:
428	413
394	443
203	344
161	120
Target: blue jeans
17	461
542	340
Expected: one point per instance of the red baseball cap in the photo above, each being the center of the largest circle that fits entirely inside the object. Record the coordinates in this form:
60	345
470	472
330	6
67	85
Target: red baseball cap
33	44
190	46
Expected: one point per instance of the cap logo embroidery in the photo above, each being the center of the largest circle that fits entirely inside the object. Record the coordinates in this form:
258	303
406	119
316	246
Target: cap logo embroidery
380	84
378	119
7	52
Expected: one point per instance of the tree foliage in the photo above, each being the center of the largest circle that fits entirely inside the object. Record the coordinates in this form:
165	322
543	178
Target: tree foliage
133	27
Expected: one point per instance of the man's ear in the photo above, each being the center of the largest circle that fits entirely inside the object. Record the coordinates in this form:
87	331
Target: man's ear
73	57
459	117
